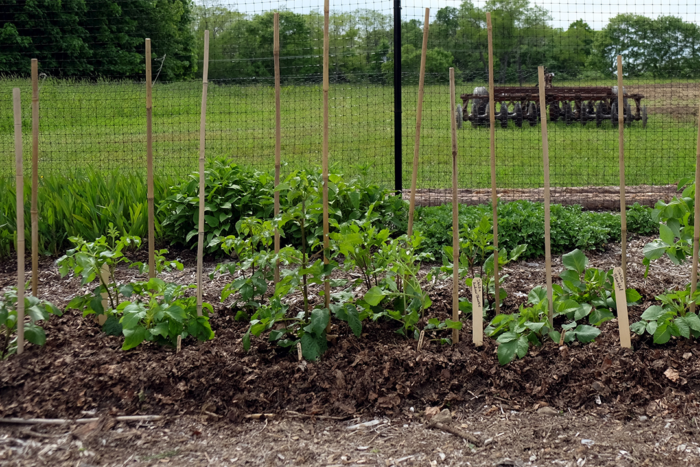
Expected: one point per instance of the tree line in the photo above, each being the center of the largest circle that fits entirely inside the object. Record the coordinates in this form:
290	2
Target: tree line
104	38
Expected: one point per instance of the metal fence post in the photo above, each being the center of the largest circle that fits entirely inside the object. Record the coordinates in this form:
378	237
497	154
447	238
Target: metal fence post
398	143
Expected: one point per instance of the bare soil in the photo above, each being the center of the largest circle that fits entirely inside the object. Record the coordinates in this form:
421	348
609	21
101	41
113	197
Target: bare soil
627	402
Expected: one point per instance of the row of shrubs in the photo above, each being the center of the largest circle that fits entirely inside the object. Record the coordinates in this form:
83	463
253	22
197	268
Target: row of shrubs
86	202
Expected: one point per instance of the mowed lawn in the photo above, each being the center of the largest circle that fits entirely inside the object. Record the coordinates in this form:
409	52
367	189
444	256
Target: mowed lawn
103	125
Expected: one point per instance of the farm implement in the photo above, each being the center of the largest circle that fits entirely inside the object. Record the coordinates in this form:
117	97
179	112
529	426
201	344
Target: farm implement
570	104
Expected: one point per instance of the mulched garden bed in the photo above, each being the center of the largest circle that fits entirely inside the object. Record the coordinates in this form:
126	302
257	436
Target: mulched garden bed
81	369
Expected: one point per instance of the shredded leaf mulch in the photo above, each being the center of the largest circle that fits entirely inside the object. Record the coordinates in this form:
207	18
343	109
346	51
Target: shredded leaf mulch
80	369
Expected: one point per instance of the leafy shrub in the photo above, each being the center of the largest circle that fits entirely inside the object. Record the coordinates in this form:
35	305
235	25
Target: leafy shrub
522	222
142	311
35	309
672	318
233	192
160	312
587	292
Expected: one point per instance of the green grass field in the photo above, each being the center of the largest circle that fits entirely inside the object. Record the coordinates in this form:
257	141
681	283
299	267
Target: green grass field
103	125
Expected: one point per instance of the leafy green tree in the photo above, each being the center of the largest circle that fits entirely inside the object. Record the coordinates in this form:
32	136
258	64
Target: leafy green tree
662	47
437	64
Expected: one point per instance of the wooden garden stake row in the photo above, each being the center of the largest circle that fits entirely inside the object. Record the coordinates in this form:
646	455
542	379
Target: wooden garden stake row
494	194
35	177
278	135
455	210
202	144
17	108
419	119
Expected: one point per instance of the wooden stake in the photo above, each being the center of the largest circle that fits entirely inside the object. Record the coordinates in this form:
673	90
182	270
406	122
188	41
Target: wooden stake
419	119
621	300
326	239
278	135
149	163
455	211
202	145
545	165
17	107
621	143
494	194
477	312
35	177
696	227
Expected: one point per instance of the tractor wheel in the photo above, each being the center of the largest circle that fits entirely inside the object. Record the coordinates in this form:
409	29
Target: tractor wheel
568	117
629	118
458	116
599	114
532	114
644	116
518	115
503	117
613	115
554	112
475	117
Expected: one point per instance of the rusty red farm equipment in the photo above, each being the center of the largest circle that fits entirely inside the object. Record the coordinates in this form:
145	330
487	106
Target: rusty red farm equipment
570	104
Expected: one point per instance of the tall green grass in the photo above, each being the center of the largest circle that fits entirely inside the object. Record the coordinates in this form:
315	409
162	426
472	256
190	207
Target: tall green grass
81	204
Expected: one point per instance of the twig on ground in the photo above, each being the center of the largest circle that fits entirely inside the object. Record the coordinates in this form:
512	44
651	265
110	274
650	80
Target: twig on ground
455	431
321	417
64	421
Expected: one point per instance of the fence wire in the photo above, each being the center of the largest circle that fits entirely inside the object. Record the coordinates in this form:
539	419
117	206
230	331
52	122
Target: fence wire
93	95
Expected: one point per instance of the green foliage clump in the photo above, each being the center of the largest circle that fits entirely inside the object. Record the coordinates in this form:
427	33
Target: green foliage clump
35	309
234	192
522	222
672	318
80	204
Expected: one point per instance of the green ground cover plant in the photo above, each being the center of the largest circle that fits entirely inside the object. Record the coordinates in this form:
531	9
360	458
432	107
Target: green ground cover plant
35	309
522	222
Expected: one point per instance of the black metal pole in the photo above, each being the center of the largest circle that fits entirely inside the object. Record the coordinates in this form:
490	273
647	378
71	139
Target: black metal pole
398	143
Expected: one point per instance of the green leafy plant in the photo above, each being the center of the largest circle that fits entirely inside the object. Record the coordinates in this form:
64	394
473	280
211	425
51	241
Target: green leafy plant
35	310
476	259
515	332
255	263
587	292
160	312
399	294
675	228
672	318
308	330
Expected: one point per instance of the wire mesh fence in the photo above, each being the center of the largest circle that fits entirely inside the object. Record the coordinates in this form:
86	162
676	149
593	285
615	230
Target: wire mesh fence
92	93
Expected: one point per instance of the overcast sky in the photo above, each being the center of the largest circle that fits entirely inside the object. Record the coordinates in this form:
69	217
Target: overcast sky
596	12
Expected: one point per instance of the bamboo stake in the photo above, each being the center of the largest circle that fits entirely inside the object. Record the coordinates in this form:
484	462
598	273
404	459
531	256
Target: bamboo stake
149	163
621	143
326	239
696	217
455	211
278	135
494	194
17	107
35	177
202	144
419	119
545	165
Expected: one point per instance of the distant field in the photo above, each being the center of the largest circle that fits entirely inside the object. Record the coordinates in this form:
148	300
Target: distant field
103	125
